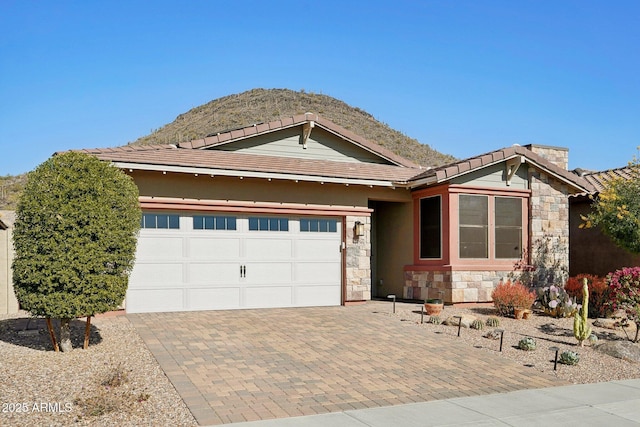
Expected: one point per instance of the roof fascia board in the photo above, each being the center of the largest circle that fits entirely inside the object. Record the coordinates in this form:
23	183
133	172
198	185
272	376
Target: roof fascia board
265	175
434	180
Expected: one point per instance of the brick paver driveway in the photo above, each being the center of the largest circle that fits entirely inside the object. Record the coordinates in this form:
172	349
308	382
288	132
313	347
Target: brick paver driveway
243	365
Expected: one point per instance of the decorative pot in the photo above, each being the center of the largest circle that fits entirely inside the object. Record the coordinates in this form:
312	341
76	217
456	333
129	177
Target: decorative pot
433	307
526	314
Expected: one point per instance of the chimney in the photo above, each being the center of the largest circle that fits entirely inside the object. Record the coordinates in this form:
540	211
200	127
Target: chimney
556	155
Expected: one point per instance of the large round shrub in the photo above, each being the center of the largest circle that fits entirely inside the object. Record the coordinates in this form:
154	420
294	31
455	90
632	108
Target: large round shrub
75	237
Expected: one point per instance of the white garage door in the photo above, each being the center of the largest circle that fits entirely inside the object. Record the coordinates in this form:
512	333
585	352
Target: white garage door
226	261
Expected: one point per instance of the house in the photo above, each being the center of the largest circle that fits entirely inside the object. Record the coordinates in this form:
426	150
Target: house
302	212
8	302
591	251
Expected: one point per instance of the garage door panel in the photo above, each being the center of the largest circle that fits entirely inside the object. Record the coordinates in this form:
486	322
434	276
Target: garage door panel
256	272
317	295
268	248
317	272
268	297
159	275
214	248
314	249
155	300
159	247
226	273
223	298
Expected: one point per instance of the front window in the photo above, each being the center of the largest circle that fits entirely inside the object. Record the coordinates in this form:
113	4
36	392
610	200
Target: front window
508	229
431	227
474	226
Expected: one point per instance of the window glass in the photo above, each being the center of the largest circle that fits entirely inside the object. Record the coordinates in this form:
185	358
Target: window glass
508	227
268	224
473	217
431	227
163	221
319	225
214	222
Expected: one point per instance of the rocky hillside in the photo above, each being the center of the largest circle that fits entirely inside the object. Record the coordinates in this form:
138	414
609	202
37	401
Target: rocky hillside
265	105
10	189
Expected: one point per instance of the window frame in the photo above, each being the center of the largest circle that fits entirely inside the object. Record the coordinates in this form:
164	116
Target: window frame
440	228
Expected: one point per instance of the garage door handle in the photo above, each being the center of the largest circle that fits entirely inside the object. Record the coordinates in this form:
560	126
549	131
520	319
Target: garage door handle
243	271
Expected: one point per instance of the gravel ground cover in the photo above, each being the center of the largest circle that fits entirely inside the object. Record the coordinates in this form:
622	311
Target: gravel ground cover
116	381
548	332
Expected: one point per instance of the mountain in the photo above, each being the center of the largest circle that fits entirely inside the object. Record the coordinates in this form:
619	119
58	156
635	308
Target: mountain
10	189
265	105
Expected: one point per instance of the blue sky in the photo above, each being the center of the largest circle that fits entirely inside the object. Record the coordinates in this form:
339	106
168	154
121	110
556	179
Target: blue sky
465	77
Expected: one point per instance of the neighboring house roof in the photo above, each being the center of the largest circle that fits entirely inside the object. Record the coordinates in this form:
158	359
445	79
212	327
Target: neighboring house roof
448	172
228	163
600	179
263	128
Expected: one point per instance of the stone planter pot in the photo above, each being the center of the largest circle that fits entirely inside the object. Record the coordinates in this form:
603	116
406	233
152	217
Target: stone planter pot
433	307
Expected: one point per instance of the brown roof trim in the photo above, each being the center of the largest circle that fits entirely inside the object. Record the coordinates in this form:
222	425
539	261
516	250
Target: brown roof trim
233	163
452	170
297	120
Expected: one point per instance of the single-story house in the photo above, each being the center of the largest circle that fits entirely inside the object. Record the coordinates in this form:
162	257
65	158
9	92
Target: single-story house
302	212
8	302
591	251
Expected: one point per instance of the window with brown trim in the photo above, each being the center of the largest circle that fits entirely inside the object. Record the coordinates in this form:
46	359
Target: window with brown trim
431	227
508	227
473	217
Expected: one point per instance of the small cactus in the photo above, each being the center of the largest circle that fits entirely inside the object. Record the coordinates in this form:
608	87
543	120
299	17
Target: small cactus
493	322
435	320
477	324
569	358
581	328
593	339
527	344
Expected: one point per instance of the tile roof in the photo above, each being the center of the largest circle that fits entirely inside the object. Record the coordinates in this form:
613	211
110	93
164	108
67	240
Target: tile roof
234	161
600	179
287	122
452	170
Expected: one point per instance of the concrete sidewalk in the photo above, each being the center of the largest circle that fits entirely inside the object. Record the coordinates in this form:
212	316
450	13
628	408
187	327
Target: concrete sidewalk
615	403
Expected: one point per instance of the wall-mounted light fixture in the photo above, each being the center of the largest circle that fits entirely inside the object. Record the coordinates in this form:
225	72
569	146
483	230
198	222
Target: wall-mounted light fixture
358	229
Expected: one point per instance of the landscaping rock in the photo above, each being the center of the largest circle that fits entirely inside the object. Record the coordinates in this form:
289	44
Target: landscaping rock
493	335
607	323
625	350
467	320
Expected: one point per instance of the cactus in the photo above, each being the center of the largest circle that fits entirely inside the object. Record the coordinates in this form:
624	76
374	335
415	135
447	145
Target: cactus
569	358
435	320
493	322
527	344
581	328
477	324
593	339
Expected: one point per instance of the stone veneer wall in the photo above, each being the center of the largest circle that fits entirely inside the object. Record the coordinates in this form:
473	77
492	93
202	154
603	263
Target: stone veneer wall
549	225
358	260
557	155
452	286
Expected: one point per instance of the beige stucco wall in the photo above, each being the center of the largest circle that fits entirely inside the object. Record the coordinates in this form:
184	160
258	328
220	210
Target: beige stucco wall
8	302
258	189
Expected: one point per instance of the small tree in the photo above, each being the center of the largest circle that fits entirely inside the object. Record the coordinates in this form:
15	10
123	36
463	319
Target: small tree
75	238
624	293
616	210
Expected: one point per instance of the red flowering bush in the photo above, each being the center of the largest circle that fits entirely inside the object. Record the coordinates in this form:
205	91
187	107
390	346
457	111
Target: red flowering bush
624	293
509	295
597	292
